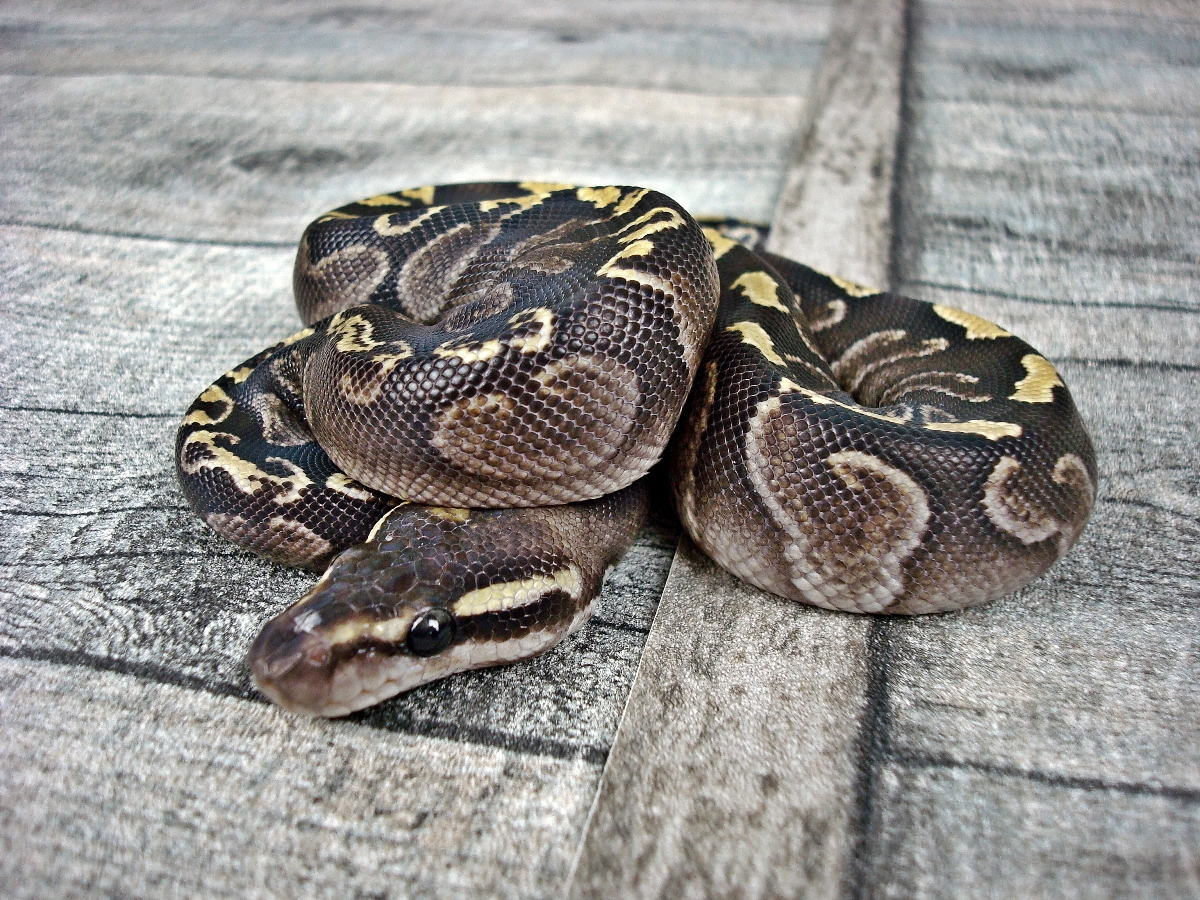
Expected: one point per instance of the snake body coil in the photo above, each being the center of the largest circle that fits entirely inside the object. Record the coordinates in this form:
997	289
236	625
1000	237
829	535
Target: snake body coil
487	371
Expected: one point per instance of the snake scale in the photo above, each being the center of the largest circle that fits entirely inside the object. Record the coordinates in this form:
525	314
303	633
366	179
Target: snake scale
458	435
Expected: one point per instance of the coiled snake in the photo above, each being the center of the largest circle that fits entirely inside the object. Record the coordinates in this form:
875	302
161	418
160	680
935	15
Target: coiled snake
488	370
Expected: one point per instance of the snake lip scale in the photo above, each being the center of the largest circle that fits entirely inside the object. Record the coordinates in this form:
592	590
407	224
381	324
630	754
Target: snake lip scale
457	437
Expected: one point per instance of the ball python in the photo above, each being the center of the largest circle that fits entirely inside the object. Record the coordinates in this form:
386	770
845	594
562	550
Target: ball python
457	437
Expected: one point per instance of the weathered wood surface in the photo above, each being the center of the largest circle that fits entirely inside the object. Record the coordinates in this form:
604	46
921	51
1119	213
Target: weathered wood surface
1046	746
1043	747
835	210
157	163
743	729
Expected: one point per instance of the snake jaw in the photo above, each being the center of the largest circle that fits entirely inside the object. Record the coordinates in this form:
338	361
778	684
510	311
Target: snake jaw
344	645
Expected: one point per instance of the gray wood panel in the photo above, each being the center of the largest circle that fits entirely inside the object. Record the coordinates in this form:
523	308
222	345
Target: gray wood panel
736	770
158	164
749	48
1046	746
254	161
115	786
835	210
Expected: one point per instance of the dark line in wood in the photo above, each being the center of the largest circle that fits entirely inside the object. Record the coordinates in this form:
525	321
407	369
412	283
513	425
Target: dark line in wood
619	626
1071	782
1118	362
73	513
376	717
141	236
1046	301
103	413
1143	504
871	752
1064	106
144	670
991	230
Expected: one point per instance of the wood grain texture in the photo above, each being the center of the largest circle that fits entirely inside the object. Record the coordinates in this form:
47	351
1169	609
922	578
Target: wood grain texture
834	212
139	789
253	162
748	48
736	768
159	163
1046	746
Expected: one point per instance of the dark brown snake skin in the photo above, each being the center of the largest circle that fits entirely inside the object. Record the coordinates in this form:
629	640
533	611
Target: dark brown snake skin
488	370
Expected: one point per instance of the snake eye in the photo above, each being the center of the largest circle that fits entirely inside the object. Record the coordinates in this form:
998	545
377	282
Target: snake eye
431	632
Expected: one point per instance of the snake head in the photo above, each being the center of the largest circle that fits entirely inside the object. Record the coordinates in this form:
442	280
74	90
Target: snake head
376	624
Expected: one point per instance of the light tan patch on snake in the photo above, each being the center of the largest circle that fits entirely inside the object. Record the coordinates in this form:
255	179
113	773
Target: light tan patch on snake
719	243
212	394
600	197
384	228
344	484
844	546
977	328
753	334
761	289
1039	382
837	312
513	594
200	451
853	288
993	431
538	192
877	350
281	539
661	218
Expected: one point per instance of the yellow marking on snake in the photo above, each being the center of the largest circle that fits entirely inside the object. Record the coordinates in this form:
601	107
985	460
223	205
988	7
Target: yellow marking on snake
788	386
637	248
538	340
212	394
538	191
1039	384
247	477
853	288
600	196
993	431
760	288
470	353
344	484
673	220
754	335
719	243
389	630
511	594
423	193
298	336
977	328
240	374
332	216
449	513
385	200
383	520
354	333
629	201
384	227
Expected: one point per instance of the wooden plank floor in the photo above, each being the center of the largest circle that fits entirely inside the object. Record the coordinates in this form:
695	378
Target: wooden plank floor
157	162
